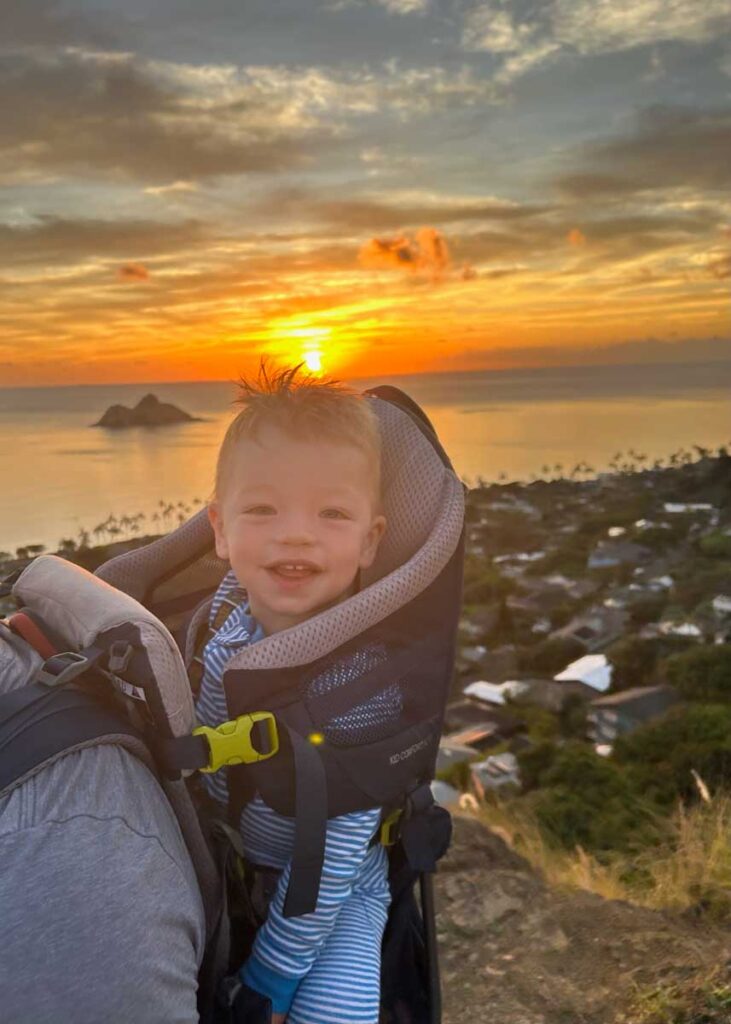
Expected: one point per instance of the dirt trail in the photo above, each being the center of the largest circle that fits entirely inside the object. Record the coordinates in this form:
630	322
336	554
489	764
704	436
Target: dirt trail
514	951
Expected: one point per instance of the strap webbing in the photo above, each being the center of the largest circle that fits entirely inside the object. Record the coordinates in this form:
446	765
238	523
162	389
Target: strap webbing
24	626
310	825
38	723
195	669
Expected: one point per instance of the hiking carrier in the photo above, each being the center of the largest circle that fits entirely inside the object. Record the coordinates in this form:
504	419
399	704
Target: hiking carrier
112	672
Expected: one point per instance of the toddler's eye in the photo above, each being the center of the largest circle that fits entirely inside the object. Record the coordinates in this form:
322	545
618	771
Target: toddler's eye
260	510
333	513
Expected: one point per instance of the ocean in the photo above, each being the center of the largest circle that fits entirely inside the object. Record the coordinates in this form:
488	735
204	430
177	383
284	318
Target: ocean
59	475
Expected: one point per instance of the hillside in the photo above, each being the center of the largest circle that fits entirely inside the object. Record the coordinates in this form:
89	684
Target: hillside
514	951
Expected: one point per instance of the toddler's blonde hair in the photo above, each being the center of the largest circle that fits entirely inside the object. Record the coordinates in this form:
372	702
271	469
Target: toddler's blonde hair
304	407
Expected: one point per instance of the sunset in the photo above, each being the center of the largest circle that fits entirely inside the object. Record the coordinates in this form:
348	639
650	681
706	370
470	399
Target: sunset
390	186
365	519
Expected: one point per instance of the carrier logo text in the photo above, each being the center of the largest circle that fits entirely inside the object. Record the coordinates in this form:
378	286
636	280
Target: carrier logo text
403	754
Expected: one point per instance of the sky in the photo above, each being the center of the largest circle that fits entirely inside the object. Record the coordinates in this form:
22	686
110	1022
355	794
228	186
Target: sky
371	186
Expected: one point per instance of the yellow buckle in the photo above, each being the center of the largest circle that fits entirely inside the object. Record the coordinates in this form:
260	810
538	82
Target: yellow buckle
389	831
230	742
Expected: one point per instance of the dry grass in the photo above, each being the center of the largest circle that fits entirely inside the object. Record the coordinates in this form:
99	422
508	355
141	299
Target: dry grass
704	999
692	870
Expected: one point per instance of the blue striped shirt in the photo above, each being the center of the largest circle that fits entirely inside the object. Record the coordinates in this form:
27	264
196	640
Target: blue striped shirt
286	949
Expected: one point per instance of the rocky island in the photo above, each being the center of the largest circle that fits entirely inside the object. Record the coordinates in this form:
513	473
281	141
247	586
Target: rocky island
149	412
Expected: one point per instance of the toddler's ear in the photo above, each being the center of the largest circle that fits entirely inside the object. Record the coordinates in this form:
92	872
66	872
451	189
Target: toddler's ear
372	540
216	521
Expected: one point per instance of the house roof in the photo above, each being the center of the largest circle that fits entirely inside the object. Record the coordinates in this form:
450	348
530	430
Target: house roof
592	669
494	693
636	693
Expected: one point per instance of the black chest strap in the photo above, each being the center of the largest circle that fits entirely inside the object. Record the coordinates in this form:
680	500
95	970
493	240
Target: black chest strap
310	820
39	723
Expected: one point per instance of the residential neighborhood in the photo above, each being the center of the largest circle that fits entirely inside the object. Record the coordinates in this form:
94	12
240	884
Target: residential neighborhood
564	580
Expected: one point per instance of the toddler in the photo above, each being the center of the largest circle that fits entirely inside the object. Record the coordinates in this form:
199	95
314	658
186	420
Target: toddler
297	514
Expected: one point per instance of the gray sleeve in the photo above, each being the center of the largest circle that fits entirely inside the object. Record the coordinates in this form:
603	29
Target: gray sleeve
100	915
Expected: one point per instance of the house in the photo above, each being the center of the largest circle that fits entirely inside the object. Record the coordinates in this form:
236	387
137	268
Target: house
595	628
499	664
676	508
521	556
552	695
470	724
622	713
494	693
611	554
480	621
722	605
686	629
450	754
593	669
497	772
509	503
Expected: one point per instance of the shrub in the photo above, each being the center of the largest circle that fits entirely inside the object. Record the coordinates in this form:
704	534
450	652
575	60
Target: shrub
551	655
633	661
702	673
661	756
715	545
588	801
534	762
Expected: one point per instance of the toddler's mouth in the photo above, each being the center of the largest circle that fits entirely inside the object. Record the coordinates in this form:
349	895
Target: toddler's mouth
294	570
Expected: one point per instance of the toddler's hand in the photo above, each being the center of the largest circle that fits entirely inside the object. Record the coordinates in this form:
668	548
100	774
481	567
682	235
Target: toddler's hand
279	1018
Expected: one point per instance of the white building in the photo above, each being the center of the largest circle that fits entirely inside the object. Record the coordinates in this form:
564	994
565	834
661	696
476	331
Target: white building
494	693
722	604
593	669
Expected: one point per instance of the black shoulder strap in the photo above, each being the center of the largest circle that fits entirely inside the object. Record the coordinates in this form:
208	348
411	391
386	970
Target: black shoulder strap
39	723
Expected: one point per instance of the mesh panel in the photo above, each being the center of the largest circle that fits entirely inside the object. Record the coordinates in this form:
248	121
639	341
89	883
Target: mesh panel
373	719
135	572
319	635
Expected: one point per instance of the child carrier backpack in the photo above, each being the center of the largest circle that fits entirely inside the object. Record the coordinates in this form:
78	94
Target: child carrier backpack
276	740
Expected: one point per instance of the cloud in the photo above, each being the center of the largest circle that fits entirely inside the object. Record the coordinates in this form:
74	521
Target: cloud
666	147
426	253
576	237
59	241
394	210
404	6
133	272
43	23
118	116
602	26
526	37
719	265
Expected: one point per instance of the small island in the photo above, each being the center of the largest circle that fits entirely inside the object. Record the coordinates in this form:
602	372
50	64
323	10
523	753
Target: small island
149	412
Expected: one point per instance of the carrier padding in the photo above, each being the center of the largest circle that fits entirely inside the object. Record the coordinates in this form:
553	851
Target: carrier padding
79	607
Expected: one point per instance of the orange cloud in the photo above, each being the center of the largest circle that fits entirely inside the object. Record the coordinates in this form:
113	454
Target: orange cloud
576	237
133	272
426	253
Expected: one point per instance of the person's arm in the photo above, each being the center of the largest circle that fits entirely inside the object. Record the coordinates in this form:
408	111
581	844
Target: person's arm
286	947
102	918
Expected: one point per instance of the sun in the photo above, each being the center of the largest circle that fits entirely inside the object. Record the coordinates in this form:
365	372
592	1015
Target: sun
313	360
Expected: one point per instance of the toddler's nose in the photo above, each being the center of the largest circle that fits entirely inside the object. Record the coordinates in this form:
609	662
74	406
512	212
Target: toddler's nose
295	530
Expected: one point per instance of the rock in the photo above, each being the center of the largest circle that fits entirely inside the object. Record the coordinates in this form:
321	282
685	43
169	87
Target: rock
149	412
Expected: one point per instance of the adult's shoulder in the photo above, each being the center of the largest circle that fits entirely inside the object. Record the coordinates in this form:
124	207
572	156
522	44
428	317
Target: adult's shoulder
102	916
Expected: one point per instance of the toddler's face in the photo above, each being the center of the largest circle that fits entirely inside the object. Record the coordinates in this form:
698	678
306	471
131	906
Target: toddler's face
297	520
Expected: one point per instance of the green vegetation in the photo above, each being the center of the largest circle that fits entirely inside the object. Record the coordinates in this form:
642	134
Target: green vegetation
552	655
715	545
702	673
662	757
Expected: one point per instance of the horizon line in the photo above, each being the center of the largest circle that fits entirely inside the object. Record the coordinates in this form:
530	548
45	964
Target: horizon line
389	376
